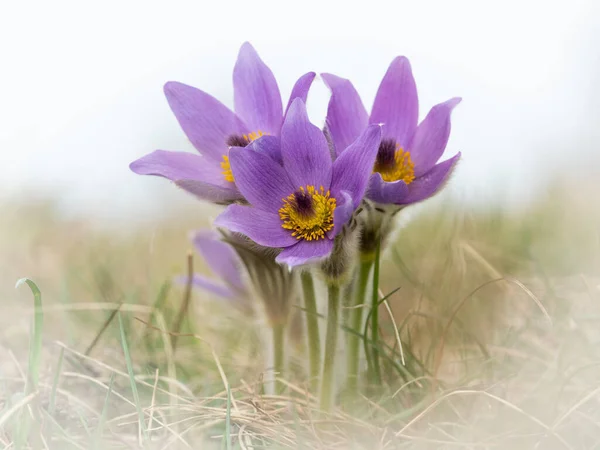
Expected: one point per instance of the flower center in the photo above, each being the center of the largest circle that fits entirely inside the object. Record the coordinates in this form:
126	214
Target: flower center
393	163
308	212
237	140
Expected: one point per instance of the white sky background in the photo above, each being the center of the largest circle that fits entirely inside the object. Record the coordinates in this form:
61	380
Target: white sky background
81	83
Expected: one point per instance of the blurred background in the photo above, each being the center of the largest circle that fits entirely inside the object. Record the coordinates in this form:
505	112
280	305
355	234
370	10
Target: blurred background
81	97
81	86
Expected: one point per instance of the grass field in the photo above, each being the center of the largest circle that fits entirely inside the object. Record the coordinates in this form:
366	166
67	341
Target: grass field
497	312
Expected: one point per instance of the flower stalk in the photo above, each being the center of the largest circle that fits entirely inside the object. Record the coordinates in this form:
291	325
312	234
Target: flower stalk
327	376
355	323
375	374
312	329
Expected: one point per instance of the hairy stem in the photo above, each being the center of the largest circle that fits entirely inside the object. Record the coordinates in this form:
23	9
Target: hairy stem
355	323
376	370
312	330
327	377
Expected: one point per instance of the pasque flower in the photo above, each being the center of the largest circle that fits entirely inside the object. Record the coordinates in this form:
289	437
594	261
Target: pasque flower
213	128
405	170
225	263
303	201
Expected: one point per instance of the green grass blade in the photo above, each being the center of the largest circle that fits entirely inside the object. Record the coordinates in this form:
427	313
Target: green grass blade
26	422
160	306
366	339
52	405
35	344
100	429
84	424
136	397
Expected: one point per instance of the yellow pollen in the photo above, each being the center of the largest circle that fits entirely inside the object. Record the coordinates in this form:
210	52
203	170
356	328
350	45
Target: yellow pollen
312	219
402	168
227	173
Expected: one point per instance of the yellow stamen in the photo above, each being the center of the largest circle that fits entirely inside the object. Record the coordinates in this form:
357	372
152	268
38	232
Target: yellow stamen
226	166
227	173
308	212
402	167
253	136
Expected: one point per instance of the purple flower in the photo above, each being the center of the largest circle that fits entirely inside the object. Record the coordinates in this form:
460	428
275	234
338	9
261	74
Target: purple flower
405	170
301	204
213	128
225	263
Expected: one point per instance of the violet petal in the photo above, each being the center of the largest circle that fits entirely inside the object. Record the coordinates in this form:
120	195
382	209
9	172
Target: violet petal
301	88
430	183
178	165
396	104
342	214
220	257
262	181
430	139
210	192
255	92
351	170
383	192
206	121
262	227
305	252
268	145
346	114
202	282
304	149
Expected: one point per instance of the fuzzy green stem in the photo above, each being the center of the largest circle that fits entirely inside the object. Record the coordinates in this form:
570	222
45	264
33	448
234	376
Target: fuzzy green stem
312	330
327	377
376	370
355	322
278	355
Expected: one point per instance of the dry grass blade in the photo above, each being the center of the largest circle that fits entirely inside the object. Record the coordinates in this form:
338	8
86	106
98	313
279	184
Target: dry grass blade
575	407
17	407
228	439
212	350
409	382
125	375
532	296
493	397
152	403
440	349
